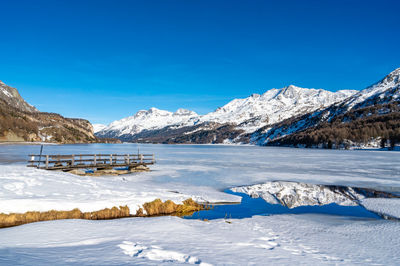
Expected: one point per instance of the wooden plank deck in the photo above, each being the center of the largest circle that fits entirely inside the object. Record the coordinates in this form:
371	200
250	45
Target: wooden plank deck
91	161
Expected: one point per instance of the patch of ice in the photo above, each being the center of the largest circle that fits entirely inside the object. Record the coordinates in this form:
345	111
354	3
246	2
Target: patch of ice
389	207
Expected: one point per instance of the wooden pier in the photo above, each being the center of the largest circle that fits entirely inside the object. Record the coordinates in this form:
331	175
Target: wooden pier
89	161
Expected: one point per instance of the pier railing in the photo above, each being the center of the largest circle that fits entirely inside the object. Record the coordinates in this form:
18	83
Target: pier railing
100	161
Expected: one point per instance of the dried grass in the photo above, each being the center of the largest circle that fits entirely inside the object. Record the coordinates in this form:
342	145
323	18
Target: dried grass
154	208
157	207
13	219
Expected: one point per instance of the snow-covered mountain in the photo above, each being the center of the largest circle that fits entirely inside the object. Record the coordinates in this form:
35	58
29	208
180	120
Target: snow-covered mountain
274	106
385	91
287	116
249	114
376	103
151	119
98	127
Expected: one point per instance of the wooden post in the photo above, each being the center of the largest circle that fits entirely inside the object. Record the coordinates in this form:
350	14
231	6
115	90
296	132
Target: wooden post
40	156
110	159
32	159
73	160
141	158
95	160
127	159
47	161
153	159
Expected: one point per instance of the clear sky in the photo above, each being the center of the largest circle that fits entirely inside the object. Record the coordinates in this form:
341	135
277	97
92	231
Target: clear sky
105	60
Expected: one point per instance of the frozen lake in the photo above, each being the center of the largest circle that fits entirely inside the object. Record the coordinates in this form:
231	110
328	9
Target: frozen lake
203	172
223	167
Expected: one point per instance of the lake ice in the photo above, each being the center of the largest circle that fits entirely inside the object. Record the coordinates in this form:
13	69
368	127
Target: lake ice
201	172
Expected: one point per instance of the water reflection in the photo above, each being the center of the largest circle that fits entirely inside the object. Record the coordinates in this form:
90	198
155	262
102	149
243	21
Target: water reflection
257	206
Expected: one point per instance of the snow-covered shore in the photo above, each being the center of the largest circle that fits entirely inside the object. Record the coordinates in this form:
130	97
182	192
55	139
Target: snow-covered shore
198	172
261	240
26	189
185	171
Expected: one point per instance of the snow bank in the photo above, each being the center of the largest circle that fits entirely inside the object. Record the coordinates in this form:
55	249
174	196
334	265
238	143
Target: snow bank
25	189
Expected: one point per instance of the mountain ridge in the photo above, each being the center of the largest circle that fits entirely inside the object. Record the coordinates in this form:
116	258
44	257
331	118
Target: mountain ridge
12	97
248	113
291	116
376	102
20	121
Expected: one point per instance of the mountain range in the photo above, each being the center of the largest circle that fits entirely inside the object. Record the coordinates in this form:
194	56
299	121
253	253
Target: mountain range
289	116
247	114
371	117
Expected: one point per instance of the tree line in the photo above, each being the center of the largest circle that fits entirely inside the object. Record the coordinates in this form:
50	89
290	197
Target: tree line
358	126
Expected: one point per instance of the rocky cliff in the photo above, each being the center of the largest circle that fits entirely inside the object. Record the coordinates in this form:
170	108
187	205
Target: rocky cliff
19	121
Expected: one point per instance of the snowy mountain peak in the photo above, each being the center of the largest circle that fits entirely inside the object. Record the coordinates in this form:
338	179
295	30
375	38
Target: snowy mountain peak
391	80
157	112
153	109
151	112
293	88
98	127
12	97
291	91
184	112
275	105
249	113
146	120
381	92
393	77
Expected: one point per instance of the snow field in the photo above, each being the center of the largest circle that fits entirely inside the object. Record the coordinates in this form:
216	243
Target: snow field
200	172
261	240
25	189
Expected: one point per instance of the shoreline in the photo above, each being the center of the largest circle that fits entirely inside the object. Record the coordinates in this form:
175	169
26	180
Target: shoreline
26	143
355	148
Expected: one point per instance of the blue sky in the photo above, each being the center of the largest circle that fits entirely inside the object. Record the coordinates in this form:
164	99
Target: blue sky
104	60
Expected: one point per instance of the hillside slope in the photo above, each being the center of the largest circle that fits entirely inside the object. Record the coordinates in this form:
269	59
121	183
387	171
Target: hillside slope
152	119
20	121
12	97
370	117
228	124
